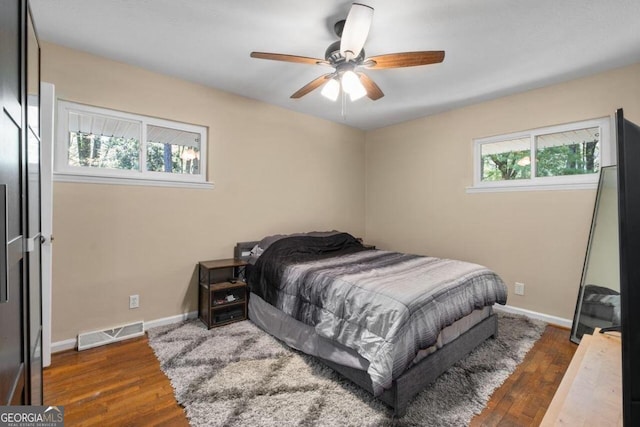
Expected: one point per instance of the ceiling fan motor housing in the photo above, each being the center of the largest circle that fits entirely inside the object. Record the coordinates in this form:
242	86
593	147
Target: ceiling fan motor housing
335	57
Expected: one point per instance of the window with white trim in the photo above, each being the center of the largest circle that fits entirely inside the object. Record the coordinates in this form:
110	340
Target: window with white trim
556	157
102	145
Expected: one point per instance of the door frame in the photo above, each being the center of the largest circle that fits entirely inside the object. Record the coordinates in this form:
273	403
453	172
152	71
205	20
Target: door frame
47	120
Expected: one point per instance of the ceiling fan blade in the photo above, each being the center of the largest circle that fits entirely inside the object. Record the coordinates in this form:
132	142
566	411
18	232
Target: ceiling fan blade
405	59
314	84
373	91
356	30
288	58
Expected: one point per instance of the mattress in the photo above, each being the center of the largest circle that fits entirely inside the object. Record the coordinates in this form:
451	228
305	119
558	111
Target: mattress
303	337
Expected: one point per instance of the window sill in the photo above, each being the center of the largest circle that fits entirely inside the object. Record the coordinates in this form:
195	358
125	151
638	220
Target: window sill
64	177
532	187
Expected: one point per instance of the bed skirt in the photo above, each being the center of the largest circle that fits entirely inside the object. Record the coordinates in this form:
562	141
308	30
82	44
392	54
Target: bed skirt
457	343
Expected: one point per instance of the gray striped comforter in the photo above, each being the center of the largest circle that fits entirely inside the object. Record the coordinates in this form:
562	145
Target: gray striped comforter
385	305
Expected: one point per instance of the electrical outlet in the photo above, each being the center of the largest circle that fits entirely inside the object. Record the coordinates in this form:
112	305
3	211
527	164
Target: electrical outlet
519	288
134	301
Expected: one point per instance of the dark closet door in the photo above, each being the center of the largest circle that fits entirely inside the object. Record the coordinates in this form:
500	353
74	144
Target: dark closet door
12	274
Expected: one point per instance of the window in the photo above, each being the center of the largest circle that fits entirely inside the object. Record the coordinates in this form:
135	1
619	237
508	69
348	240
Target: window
557	157
101	145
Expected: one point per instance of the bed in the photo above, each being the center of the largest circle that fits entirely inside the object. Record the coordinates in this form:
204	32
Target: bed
390	322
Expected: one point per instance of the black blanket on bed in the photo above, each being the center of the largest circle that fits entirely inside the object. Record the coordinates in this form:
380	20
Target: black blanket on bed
265	277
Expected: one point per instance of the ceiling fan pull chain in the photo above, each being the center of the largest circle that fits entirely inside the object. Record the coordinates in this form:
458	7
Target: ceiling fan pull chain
344	105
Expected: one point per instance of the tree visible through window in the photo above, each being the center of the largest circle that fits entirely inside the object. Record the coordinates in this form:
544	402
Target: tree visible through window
89	150
106	143
170	150
103	142
506	160
543	156
568	153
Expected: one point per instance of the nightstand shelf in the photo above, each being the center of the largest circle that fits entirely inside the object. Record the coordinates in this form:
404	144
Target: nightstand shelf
222	298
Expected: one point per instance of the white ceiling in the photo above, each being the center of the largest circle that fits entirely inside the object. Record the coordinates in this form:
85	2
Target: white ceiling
493	47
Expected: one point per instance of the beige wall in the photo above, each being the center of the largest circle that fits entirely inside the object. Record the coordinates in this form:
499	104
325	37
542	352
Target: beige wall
274	171
417	173
277	171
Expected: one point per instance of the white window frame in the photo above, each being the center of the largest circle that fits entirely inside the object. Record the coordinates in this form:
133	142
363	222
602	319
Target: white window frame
607	157
68	173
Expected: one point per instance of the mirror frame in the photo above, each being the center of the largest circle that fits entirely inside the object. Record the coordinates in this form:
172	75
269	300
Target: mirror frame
574	326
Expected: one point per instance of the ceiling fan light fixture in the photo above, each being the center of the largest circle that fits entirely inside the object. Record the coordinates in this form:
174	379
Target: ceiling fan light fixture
331	89
357	94
352	85
356	30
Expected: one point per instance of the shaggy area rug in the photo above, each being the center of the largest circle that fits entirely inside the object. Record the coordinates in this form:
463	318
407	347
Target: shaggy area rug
238	375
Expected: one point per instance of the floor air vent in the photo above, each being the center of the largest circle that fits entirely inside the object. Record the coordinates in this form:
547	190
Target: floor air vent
97	338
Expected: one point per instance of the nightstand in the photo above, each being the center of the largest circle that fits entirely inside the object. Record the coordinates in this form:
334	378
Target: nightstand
222	297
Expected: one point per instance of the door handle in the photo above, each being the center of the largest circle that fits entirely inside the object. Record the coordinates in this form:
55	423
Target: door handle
31	242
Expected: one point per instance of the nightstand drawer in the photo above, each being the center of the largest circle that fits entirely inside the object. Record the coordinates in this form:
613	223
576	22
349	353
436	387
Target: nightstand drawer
228	314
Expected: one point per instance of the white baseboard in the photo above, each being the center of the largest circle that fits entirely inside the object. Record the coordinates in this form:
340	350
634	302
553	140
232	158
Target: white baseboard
553	320
72	343
170	320
58	346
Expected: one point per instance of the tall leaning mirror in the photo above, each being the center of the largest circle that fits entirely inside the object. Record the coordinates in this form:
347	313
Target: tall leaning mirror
598	303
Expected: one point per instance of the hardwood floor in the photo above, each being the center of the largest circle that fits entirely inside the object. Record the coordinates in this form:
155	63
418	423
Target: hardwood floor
122	384
524	397
117	385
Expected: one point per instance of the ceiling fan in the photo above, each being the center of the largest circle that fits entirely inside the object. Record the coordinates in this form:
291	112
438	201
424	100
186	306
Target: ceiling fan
347	57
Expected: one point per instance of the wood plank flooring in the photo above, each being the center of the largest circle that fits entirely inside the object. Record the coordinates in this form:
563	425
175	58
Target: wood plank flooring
524	397
122	384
